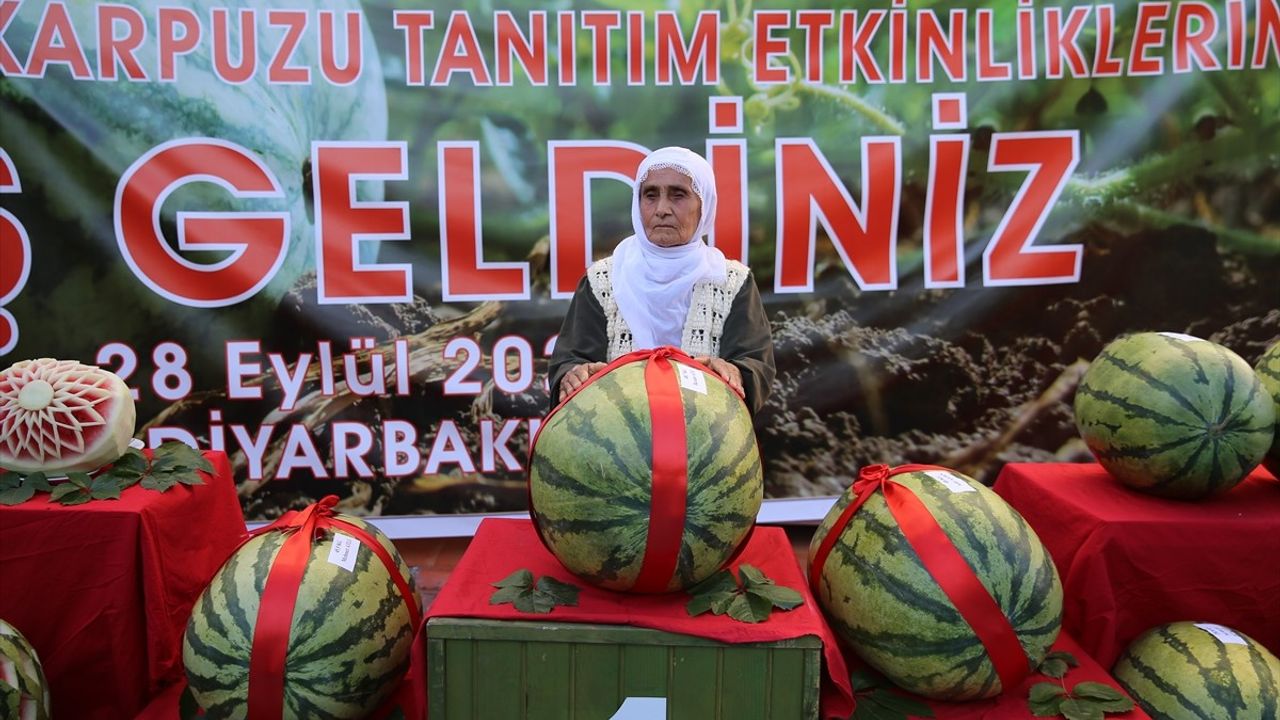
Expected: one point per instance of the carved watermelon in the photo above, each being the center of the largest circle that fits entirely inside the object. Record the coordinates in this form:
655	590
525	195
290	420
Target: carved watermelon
61	416
24	692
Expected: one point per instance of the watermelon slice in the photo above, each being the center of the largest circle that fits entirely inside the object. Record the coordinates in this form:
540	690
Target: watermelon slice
62	416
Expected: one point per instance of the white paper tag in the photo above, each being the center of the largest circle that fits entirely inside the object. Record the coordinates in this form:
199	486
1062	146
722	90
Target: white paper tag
1182	336
1225	634
950	481
692	378
344	551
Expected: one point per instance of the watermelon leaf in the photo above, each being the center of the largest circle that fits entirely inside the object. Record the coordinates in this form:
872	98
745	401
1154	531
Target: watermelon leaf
38	480
777	595
562	593
507	594
751	575
1046	699
721	581
160	482
17	494
699	604
1079	709
521	578
1055	664
80	479
750	608
1096	691
105	487
1064	656
70	494
519	589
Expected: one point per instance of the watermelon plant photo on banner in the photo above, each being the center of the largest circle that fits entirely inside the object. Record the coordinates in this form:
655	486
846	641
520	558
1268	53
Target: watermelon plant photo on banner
337	240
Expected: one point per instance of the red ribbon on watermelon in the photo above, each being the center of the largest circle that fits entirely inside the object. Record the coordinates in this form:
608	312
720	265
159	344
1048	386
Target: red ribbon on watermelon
669	462
941	560
280	596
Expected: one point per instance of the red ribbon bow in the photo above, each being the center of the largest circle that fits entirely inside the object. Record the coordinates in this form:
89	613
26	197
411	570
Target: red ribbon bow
280	596
941	560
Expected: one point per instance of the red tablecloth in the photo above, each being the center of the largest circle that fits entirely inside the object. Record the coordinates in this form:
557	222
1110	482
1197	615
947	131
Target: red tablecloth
1131	561
501	547
103	590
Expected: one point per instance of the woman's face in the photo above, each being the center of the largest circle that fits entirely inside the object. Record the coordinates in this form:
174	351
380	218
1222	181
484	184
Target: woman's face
669	209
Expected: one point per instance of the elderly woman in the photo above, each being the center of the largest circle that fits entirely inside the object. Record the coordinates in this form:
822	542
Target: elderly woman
665	286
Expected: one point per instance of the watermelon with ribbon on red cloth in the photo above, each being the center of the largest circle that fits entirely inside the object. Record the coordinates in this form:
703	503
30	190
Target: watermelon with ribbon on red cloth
936	582
647	478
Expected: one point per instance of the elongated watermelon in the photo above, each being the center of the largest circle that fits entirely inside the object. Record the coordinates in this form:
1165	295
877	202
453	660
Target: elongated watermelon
591	483
24	692
888	607
348	646
1200	671
1268	370
1174	415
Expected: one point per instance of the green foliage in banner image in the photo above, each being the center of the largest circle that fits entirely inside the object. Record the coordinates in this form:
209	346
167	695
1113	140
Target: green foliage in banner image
72	140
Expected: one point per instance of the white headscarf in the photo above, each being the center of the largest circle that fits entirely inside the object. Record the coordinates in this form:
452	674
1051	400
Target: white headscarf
652	284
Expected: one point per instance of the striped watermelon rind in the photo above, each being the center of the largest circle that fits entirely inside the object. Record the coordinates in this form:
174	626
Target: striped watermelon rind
348	646
1174	416
1181	671
24	692
590	480
1268	371
883	602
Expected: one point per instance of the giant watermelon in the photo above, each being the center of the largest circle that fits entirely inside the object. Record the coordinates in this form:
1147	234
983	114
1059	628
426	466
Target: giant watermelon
1268	370
348	646
24	692
1200	671
591	484
1174	415
887	606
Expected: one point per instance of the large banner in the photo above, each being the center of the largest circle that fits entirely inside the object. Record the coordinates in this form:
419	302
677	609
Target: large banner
336	239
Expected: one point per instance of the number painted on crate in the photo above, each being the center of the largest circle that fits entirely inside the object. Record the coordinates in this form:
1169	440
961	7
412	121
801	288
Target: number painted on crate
642	708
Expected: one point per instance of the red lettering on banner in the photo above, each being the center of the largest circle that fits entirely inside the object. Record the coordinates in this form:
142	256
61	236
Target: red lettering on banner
1010	258
1188	44
855	43
1266	15
248	33
814	23
1026	44
465	276
8	61
635	48
171	43
15	256
350	72
949	48
414	23
343	223
728	159
1146	37
1236	29
702	51
1104	65
530	52
295	23
112	49
765	47
565	45
257	241
571	166
1060	41
460	52
865	236
56	42
601	23
944	211
898	44
988	68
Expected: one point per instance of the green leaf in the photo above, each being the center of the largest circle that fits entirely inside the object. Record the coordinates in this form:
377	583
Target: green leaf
1097	691
1080	709
524	602
750	608
1045	692
189	477
865	680
543	603
778	596
78	496
699	604
1064	656
506	595
81	479
159	483
719	582
131	461
1054	668
64	490
1113	706
9	479
39	481
17	495
105	487
561	593
721	603
752	576
520	578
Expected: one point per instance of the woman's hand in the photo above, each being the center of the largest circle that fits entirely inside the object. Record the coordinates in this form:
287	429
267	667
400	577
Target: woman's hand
576	376
727	372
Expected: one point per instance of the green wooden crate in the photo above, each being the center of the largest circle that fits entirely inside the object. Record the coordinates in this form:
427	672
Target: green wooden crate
515	670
